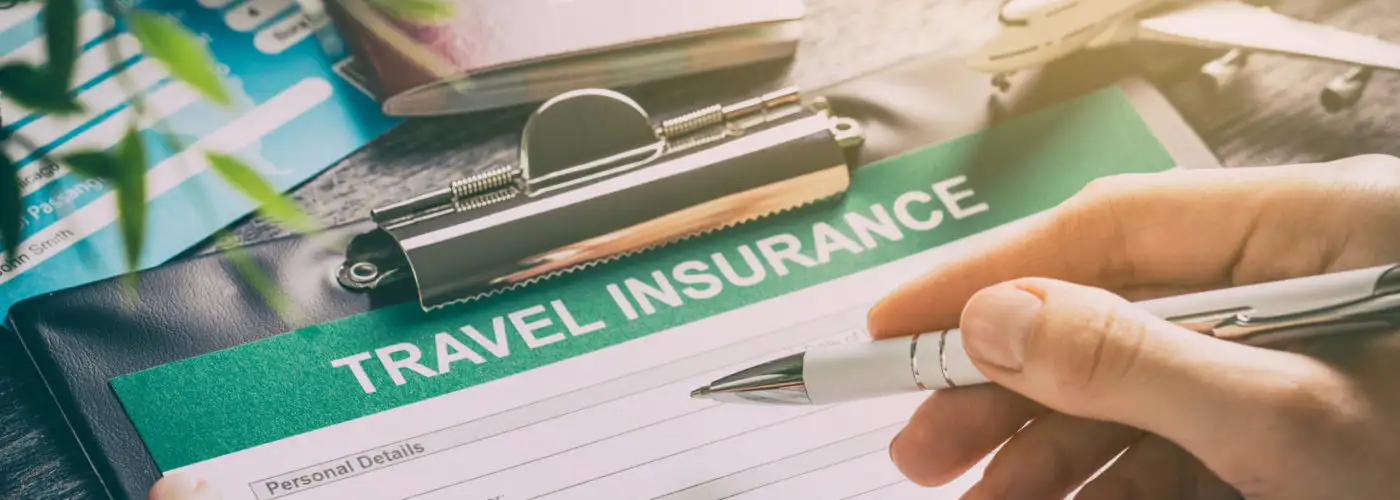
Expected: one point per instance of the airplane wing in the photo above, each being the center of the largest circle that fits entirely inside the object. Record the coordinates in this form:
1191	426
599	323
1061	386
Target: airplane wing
1227	24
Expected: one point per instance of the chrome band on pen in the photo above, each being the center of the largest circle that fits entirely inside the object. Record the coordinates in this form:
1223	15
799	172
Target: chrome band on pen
943	358
914	360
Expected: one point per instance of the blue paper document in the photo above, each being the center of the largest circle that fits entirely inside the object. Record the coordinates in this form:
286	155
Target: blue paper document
290	90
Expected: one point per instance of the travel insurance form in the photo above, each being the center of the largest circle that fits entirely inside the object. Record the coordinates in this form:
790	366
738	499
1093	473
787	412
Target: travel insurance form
578	387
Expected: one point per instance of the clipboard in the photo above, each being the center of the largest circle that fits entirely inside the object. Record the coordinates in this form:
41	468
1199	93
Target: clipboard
79	339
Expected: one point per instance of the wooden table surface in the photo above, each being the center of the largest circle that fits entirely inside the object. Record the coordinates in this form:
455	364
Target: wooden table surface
1269	116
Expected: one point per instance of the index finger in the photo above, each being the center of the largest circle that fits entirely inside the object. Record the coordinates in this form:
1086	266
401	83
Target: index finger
1168	232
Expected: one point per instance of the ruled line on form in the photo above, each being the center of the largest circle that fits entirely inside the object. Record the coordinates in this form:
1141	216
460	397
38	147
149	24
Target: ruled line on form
692	448
759	476
561	452
628	385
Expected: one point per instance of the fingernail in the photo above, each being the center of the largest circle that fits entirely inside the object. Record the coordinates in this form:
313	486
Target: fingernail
996	324
892	443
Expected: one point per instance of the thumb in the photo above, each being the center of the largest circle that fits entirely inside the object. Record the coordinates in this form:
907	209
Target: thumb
1088	353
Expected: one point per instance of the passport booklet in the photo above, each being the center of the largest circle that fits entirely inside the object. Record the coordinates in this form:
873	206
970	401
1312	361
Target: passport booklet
496	53
578	386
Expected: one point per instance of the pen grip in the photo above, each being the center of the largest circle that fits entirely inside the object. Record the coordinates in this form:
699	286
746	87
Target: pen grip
955	368
859	370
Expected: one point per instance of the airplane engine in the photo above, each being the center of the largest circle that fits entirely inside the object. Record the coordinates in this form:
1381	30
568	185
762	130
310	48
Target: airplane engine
1002	81
1346	89
1220	72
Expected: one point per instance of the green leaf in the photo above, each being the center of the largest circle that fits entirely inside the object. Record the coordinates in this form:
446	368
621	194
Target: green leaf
417	10
10	209
93	164
61	37
273	205
131	195
30	87
125	168
187	58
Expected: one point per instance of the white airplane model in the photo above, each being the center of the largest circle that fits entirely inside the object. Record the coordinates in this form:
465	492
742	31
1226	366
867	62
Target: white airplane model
1035	32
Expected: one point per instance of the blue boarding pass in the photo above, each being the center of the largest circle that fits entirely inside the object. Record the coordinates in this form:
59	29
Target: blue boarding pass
293	89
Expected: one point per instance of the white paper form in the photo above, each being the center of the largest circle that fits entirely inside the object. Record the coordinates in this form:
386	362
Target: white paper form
619	423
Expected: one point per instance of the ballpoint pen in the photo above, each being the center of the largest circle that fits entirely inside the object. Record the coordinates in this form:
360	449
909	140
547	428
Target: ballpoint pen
1357	301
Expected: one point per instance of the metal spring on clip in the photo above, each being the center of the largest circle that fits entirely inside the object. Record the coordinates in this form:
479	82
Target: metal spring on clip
492	198
692	121
483	182
711	116
695	141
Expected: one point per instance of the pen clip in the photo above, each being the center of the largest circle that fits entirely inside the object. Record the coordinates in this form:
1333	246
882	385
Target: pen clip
1377	311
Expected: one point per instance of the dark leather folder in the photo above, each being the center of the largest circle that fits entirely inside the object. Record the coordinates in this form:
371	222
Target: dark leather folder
79	339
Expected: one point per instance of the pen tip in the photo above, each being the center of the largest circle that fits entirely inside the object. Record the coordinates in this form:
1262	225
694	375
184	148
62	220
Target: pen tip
701	393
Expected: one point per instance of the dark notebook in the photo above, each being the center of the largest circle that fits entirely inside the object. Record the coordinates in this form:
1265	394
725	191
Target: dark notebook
80	339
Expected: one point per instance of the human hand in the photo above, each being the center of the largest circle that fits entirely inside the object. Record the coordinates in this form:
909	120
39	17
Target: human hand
1045	315
182	487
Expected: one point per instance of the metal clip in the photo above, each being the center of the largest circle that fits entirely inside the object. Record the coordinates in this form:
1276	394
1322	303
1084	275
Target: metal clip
1378	311
597	178
1372	313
